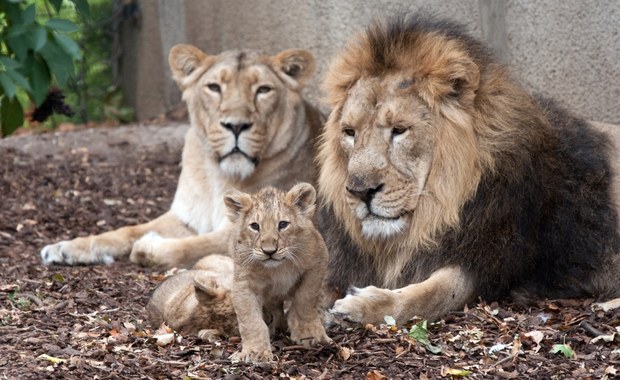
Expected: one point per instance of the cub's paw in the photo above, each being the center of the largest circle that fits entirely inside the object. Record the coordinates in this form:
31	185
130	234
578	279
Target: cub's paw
606	306
210	335
252	355
144	250
365	305
310	335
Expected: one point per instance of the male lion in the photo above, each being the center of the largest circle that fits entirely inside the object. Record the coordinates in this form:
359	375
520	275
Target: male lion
443	181
249	128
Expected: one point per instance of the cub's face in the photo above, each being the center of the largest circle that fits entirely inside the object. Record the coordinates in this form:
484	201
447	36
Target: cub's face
243	101
270	225
386	137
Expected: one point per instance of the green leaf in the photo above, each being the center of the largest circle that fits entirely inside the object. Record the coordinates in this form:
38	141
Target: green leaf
19	80
82	7
57	4
68	45
7	85
28	15
61	25
11	115
38	38
39	79
419	332
564	349
8	63
58	61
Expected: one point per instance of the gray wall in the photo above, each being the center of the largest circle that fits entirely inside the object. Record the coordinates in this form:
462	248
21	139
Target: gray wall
568	49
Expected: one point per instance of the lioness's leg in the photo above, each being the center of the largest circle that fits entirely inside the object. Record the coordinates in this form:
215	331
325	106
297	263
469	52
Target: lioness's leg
106	247
445	290
153	249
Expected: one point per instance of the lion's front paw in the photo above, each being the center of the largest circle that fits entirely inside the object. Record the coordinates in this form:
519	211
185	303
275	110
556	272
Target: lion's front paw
365	305
144	250
252	355
72	252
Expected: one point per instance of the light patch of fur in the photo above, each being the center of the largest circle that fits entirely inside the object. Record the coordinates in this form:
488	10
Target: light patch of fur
222	92
279	257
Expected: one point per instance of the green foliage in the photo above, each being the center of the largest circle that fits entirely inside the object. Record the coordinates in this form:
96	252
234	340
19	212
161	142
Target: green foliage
419	332
34	54
564	349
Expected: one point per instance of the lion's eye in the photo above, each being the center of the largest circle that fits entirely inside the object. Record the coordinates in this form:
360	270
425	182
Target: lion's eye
349	132
263	89
214	87
283	224
398	130
255	226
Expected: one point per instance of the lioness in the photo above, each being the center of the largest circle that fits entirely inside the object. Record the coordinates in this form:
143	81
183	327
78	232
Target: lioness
250	128
279	256
444	181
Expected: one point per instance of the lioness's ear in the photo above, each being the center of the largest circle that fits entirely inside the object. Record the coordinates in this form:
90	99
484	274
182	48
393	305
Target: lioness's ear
303	196
456	80
294	66
236	204
184	60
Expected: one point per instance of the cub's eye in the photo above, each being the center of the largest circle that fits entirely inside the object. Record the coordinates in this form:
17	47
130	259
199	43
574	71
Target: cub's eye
255	226
263	89
349	132
398	130
283	224
214	87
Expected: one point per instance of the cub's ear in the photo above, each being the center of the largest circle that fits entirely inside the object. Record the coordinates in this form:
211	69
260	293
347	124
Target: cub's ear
208	287
237	203
457	79
184	60
294	66
303	196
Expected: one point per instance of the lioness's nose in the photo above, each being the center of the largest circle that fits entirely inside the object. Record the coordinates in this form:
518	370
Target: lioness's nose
365	194
236	128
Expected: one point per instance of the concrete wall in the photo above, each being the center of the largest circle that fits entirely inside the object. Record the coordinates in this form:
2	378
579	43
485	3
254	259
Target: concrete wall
568	49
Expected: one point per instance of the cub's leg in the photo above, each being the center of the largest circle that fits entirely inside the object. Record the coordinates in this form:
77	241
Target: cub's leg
108	246
154	249
305	315
255	345
445	290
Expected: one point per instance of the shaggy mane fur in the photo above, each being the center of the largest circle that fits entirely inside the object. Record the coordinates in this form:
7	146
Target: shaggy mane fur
518	191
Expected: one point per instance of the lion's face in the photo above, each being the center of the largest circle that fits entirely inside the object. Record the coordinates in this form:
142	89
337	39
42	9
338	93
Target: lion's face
243	101
387	138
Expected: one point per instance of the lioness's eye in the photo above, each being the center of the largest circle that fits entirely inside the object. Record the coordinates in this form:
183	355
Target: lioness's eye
263	90
398	130
214	87
283	224
255	226
349	132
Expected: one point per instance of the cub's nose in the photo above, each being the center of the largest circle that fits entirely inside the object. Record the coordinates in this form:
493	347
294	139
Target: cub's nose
236	128
270	251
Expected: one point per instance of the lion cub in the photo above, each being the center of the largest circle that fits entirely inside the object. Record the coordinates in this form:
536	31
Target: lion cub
197	301
278	256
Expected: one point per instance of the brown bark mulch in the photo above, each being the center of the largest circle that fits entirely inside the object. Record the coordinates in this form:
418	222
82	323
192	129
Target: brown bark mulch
89	321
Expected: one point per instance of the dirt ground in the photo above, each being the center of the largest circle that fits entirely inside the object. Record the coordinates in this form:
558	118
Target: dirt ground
89	321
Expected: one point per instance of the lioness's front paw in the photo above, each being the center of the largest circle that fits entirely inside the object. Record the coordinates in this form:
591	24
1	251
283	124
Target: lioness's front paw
144	250
72	252
252	355
365	305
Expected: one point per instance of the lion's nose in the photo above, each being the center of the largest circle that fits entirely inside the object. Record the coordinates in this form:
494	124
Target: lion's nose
365	194
236	128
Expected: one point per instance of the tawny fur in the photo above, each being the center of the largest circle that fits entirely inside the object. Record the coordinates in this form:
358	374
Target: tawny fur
279	257
250	128
442	181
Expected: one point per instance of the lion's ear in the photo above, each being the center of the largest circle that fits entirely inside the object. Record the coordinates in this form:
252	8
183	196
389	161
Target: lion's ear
184	60
455	80
294	66
303	197
237	203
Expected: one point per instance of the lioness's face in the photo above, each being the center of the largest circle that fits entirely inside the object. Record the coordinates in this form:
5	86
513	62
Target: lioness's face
243	101
387	138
